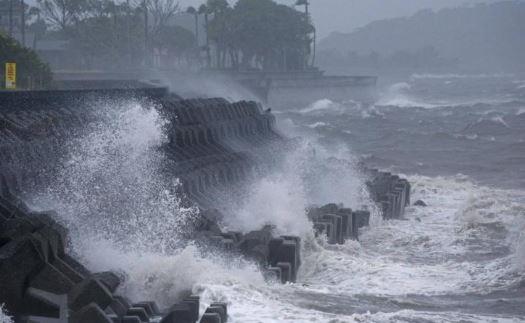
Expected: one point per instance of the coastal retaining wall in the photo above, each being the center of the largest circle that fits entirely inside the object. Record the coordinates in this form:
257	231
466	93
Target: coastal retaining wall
212	145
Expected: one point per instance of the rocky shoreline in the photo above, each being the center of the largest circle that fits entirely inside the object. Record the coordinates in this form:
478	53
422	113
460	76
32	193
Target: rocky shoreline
213	144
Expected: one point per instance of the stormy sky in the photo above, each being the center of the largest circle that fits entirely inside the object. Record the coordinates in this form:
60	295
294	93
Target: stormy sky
346	15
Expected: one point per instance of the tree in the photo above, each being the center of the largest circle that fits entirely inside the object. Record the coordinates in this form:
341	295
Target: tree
262	34
218	28
161	12
38	27
31	71
61	14
304	3
203	10
176	44
97	41
192	11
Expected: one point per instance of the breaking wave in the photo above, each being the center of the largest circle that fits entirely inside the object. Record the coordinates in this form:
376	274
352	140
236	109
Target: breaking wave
460	76
399	95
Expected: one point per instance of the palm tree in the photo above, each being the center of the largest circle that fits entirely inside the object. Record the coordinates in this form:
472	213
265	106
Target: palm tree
218	9
304	3
192	11
203	10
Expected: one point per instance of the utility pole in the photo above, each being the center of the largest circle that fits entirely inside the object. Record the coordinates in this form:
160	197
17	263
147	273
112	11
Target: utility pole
11	18
146	49
23	22
128	35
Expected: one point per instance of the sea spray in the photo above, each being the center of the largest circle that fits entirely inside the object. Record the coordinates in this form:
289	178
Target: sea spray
4	317
308	174
165	278
114	194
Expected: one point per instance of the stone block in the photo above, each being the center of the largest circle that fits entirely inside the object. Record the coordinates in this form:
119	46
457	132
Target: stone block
39	304
346	217
219	310
130	319
211	318
78	267
90	314
224	306
50	279
109	279
90	290
118	308
286	271
284	251
67	270
194	303
140	312
179	313
362	218
18	260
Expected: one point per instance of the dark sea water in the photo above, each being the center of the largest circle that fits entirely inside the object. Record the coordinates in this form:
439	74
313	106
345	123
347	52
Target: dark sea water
460	140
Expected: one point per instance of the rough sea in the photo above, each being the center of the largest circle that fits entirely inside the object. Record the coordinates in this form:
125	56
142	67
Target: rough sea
459	139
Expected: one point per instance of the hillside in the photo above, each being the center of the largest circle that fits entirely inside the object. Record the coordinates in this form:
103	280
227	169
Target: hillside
483	37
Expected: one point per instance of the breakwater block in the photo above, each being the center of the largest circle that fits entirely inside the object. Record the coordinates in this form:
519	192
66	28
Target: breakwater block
279	257
211	318
282	251
337	222
186	311
39	282
390	192
216	312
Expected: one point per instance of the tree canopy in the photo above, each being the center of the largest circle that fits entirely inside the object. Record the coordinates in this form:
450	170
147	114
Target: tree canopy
259	34
31	70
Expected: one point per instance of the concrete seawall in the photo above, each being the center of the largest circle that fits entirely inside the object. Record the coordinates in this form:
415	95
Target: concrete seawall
212	145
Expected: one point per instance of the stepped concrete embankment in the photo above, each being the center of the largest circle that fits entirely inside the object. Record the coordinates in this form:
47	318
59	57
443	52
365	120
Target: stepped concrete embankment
212	145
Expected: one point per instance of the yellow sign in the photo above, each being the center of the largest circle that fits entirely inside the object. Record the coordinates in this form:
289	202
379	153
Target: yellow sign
10	76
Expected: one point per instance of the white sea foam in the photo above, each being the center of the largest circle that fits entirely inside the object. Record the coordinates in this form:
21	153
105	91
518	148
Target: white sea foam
500	120
4	317
309	174
398	95
112	190
460	76
434	244
318	124
324	106
165	278
439	243
520	111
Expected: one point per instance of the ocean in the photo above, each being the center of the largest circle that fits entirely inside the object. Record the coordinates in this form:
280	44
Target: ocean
459	139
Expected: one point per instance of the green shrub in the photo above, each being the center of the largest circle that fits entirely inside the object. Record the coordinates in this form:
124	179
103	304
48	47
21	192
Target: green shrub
31	71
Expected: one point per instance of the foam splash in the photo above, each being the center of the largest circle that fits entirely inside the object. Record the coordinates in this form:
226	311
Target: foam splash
468	238
398	95
323	106
4	317
165	278
308	175
317	125
112	184
460	76
121	209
